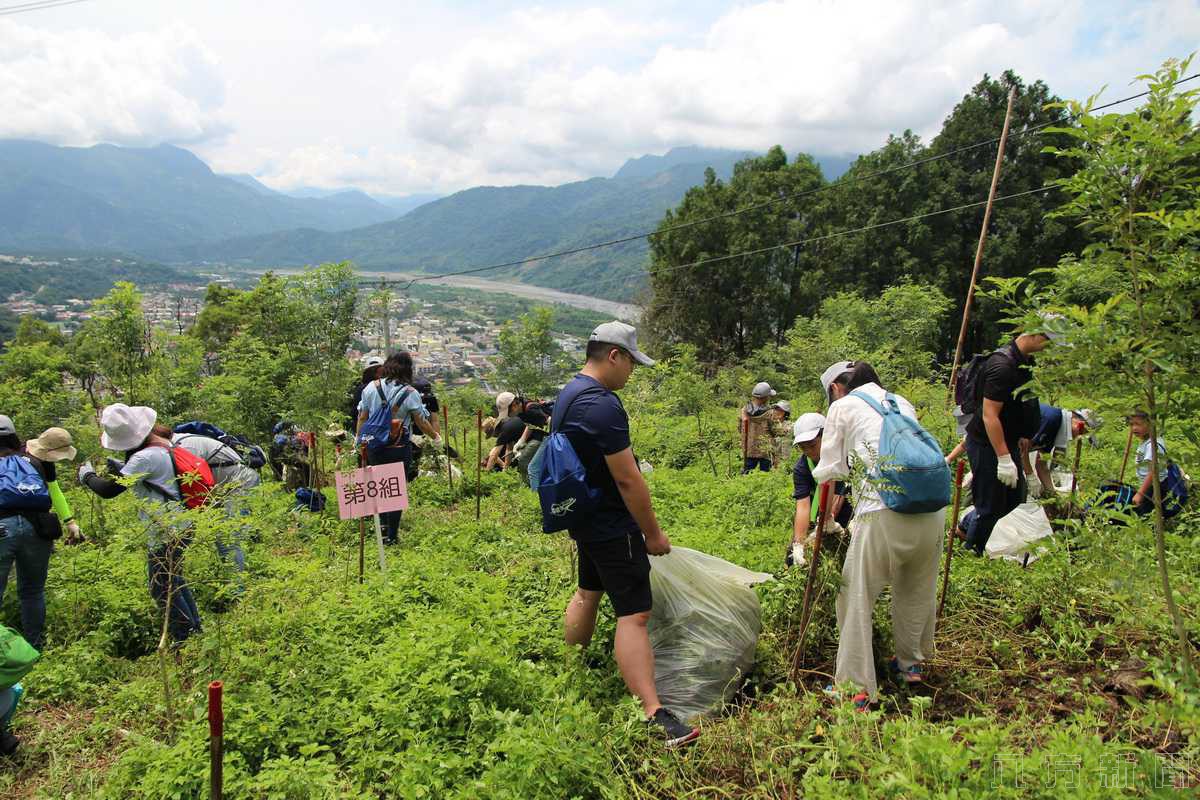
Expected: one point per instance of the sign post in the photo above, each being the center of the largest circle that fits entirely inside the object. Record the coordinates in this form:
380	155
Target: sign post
371	491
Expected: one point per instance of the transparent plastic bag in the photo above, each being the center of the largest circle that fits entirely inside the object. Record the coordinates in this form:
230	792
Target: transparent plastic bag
1014	535
704	628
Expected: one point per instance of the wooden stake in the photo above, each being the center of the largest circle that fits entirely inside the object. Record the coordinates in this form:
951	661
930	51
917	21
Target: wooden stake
1074	477
958	477
1125	458
445	442
806	608
987	217
362	524
478	460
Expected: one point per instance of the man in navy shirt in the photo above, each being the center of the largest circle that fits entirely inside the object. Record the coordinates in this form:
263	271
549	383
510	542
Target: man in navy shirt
614	542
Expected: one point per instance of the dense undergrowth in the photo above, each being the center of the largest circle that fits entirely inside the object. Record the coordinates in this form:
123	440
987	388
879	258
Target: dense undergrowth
446	675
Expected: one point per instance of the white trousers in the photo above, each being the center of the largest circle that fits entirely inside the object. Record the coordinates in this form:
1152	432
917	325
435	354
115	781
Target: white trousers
900	550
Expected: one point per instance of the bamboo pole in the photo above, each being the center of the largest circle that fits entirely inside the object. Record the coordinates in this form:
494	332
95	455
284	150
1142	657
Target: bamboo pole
958	477
478	460
987	217
806	607
1125	458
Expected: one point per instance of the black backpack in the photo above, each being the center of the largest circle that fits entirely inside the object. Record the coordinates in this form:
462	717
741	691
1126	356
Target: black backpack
966	386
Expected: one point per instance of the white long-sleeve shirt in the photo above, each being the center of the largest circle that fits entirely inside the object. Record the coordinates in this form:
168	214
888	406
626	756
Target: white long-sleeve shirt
852	431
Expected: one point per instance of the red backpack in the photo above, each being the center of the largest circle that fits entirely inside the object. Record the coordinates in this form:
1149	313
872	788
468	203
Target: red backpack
193	476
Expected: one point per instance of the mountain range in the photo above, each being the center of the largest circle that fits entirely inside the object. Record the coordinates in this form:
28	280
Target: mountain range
165	203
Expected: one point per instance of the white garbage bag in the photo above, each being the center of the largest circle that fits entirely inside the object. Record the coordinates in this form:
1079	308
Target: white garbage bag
1015	533
704	628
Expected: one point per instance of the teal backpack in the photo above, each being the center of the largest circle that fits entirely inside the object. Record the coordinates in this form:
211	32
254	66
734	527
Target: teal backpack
912	473
17	657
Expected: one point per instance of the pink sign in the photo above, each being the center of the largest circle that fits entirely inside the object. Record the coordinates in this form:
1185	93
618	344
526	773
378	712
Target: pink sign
371	490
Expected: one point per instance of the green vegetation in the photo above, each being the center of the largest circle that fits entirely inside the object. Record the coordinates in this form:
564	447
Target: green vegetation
445	674
83	276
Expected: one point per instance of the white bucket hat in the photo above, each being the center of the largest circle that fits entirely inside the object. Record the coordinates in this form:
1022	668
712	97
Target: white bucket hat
807	427
125	427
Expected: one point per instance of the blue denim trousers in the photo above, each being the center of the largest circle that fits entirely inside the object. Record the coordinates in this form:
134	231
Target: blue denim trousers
30	553
165	568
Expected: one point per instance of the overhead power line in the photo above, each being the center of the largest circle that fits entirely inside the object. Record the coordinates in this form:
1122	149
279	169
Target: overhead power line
844	181
819	238
42	5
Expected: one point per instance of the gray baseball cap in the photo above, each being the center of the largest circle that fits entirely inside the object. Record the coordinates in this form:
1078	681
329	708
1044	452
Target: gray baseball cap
835	370
6	425
763	389
623	336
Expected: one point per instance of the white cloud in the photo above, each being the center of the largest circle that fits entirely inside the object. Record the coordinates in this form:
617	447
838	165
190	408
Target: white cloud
81	87
354	41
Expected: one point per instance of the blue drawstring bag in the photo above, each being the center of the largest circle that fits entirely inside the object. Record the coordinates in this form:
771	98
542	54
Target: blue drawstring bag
912	472
562	486
309	500
22	487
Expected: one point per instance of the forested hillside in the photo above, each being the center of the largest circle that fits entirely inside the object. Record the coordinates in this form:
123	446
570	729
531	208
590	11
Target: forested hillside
438	669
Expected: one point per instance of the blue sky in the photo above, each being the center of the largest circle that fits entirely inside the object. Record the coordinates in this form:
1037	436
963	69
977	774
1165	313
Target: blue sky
400	97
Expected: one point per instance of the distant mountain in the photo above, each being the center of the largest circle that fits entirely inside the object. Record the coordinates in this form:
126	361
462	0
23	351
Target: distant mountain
147	200
405	203
492	224
649	165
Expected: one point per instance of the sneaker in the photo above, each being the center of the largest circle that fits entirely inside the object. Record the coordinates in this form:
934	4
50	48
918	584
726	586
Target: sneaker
861	701
678	733
914	674
8	744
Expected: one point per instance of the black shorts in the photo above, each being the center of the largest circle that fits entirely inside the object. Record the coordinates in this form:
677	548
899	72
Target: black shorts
621	569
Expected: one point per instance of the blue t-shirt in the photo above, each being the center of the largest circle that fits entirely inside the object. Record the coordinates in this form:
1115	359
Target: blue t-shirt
594	421
408	411
1047	433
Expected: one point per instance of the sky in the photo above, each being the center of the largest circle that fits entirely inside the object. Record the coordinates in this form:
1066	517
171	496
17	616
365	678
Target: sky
401	97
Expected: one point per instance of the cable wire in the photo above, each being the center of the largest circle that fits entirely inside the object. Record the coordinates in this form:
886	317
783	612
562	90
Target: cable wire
844	181
41	5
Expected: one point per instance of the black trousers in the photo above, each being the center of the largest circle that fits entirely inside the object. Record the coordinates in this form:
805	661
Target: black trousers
993	500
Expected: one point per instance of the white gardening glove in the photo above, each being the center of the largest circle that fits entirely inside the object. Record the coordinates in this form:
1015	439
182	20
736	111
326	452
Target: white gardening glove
437	443
85	469
1006	471
1035	490
74	535
833	526
417	440
967	478
798	554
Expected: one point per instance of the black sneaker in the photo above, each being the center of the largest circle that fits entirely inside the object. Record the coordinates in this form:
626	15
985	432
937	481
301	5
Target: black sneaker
678	733
8	744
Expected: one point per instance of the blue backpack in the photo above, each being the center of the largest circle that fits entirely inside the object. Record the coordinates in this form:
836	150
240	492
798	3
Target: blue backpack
22	487
376	432
561	483
912	473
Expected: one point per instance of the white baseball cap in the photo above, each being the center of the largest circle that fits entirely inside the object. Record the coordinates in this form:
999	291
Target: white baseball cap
784	406
808	427
763	389
623	336
503	401
834	370
372	361
125	427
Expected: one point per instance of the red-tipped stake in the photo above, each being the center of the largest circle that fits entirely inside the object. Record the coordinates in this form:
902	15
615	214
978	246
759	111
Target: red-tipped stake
216	737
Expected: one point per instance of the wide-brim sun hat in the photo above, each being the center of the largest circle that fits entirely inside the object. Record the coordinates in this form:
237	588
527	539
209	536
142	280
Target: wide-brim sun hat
53	445
125	427
807	427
